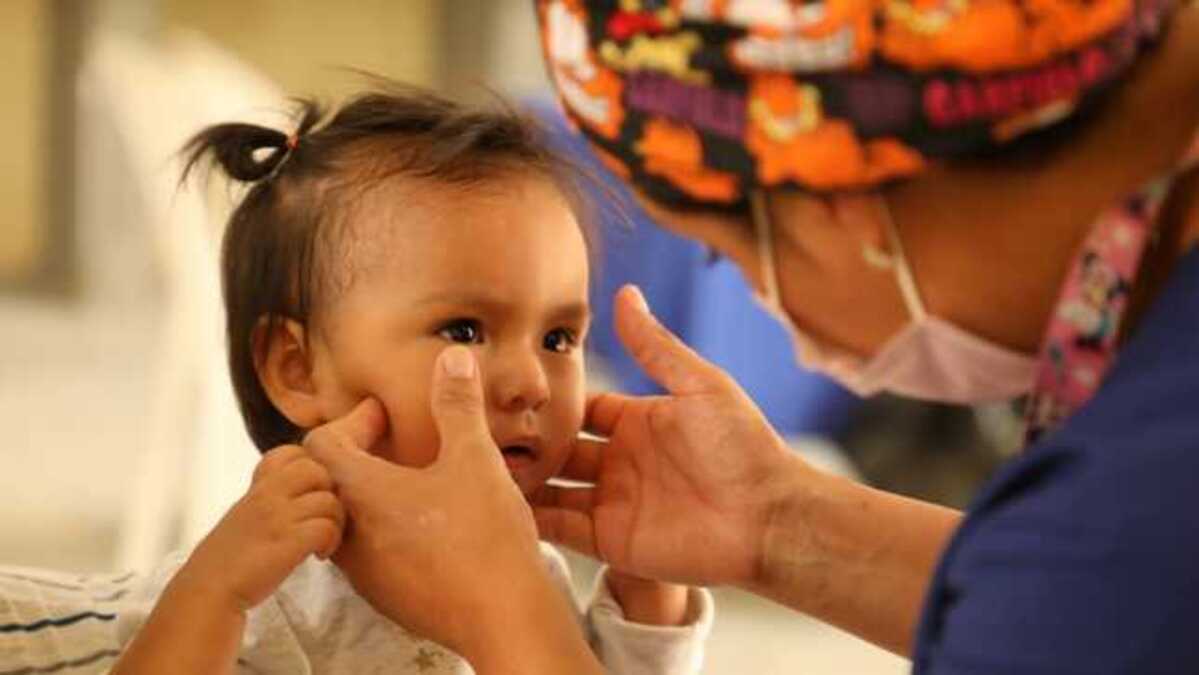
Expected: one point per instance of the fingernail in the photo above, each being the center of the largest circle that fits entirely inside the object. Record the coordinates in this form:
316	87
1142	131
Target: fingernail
458	363
639	299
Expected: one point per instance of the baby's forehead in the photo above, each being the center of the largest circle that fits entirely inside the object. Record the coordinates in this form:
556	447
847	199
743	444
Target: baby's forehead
420	230
377	223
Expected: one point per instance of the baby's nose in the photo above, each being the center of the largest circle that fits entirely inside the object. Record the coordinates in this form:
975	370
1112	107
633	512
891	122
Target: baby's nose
520	383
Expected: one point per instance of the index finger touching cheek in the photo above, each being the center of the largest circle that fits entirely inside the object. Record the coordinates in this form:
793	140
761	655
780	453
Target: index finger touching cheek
358	429
343	445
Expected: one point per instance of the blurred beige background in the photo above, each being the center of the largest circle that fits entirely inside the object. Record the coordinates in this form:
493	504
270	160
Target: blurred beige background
400	38
120	439
25	55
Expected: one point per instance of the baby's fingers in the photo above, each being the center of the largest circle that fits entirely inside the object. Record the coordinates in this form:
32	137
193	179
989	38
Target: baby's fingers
305	475
318	507
275	459
322	504
320	536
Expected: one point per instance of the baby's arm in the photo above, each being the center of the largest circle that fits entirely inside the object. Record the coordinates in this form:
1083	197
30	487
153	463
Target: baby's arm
643	627
288	513
649	602
642	634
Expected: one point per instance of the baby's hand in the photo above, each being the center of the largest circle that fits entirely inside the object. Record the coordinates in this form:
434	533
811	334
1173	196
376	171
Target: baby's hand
655	603
289	512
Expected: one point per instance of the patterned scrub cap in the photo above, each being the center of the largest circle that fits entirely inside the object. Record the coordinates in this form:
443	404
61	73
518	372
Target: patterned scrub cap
697	101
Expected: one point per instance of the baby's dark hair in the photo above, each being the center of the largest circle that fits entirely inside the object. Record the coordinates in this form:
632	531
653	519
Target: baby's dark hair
284	248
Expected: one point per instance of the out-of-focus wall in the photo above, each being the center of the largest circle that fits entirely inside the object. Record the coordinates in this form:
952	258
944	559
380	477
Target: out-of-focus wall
80	372
303	46
25	59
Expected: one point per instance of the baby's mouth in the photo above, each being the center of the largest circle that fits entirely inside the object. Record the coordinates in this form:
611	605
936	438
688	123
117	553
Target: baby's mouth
518	455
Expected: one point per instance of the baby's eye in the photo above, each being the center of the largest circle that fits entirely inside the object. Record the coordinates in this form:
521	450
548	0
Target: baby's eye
465	331
560	340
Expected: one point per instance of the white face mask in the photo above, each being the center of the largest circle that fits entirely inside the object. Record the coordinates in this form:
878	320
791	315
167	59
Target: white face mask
929	359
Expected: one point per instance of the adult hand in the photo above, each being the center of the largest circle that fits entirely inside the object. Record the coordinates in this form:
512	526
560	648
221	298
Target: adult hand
684	483
449	551
696	487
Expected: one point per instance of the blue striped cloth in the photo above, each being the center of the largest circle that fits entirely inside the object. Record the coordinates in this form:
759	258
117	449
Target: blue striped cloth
54	622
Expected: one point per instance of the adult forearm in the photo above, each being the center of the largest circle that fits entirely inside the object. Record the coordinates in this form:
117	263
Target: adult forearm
535	632
855	557
541	653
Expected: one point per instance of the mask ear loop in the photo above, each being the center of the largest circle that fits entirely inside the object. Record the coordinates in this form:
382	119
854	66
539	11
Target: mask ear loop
764	234
903	270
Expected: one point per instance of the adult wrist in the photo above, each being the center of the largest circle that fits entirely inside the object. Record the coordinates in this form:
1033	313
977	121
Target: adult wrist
852	556
788	540
531	629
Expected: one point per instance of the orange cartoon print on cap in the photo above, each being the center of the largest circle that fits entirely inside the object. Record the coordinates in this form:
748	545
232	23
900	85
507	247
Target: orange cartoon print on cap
801	36
587	89
700	10
984	36
635	17
675	152
791	139
670	54
612	163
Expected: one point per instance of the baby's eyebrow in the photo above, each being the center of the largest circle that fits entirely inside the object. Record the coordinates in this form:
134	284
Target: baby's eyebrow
463	299
570	311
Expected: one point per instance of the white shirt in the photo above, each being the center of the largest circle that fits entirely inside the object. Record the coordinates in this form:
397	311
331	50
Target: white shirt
314	623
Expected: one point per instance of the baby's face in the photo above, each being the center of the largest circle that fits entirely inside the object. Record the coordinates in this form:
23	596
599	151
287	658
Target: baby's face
502	268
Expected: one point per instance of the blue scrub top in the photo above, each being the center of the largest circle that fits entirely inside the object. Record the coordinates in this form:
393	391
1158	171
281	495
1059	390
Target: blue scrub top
1082	556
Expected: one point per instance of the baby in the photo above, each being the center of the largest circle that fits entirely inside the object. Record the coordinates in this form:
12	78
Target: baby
365	245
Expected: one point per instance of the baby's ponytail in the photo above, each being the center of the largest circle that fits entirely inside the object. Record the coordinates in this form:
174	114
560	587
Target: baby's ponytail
238	148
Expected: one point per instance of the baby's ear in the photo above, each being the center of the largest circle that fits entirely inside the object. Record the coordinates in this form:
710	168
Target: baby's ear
284	364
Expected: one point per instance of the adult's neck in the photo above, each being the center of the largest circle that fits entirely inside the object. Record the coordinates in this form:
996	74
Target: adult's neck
991	242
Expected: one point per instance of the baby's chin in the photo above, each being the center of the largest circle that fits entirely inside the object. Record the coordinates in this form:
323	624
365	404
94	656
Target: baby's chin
530	475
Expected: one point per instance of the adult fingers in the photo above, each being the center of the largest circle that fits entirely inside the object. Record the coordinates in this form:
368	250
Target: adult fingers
584	461
357	430
341	446
662	355
459	410
572	529
603	411
557	497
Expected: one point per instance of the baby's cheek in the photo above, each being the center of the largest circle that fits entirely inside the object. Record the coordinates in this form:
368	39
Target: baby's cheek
578	409
571	398
412	436
411	450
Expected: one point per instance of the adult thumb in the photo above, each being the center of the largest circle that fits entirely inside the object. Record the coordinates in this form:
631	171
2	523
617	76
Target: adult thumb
658	352
459	410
